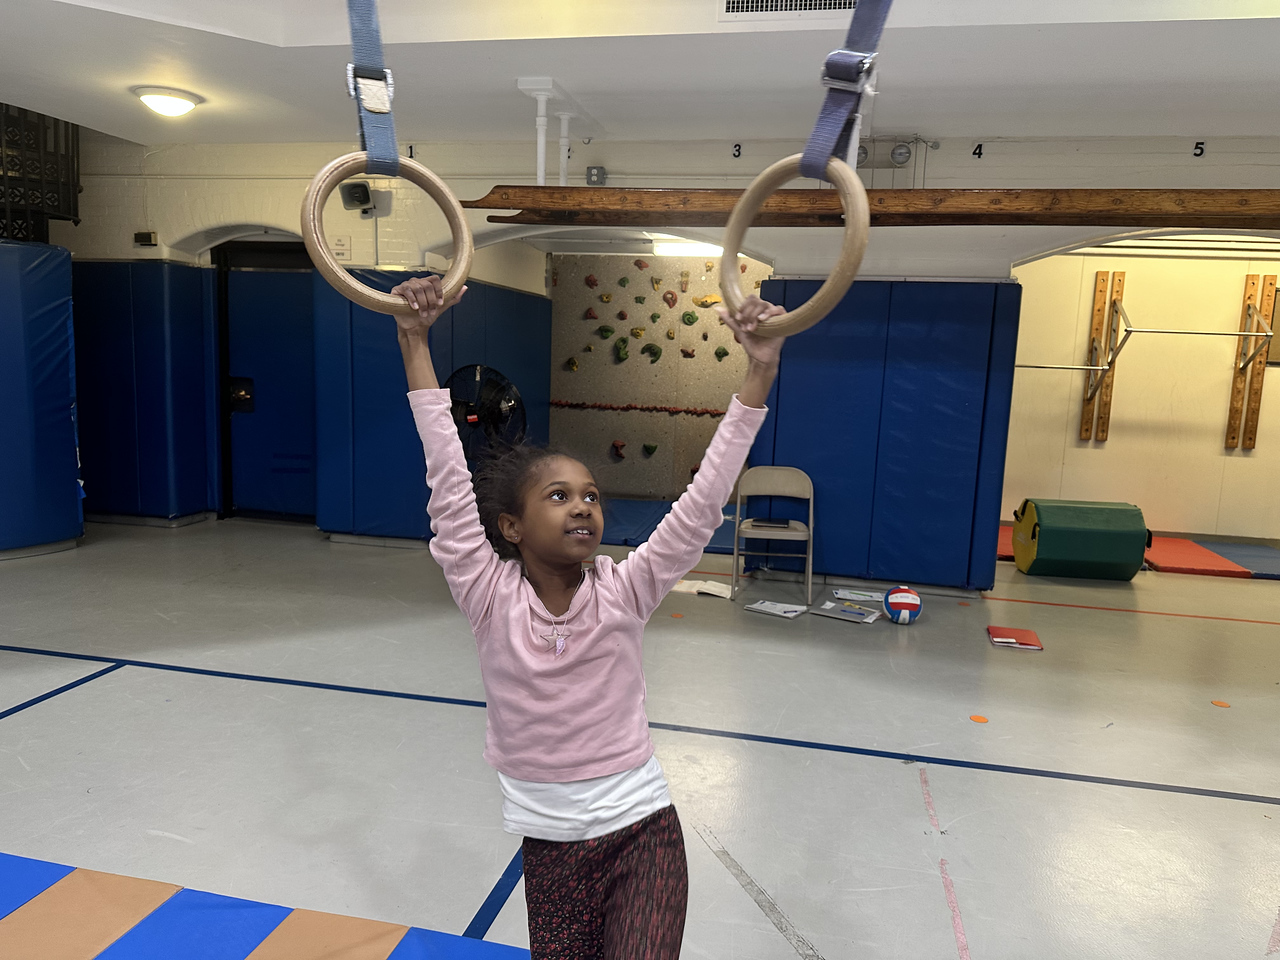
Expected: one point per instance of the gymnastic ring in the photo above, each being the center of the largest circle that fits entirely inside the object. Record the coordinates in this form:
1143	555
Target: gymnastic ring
347	285
857	223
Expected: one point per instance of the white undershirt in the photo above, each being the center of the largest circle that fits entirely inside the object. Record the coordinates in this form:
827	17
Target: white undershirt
583	809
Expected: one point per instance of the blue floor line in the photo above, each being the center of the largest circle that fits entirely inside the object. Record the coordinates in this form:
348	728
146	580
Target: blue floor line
115	665
672	727
227	675
497	899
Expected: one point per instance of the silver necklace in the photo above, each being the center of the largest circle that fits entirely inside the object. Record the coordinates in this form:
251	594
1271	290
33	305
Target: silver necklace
559	634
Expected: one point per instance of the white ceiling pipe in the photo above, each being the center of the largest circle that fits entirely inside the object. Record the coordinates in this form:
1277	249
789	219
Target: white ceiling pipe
564	148
542	138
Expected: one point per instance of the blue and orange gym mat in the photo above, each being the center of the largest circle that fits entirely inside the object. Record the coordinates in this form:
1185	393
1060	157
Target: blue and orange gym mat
1206	558
48	910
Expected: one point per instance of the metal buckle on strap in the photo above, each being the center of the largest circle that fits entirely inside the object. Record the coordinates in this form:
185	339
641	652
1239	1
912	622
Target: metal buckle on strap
839	79
377	88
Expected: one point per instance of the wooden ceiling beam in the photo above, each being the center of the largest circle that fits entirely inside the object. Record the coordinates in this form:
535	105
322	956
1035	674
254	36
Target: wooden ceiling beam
657	207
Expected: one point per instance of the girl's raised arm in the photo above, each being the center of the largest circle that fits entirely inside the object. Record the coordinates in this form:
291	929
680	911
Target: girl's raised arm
460	546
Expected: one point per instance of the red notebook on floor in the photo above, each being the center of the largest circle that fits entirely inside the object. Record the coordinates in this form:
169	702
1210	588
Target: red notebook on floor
1015	638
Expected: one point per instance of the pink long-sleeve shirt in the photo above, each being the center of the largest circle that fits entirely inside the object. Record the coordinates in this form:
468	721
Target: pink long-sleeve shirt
580	715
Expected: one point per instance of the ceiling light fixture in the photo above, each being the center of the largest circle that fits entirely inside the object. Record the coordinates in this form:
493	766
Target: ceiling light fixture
686	248
167	101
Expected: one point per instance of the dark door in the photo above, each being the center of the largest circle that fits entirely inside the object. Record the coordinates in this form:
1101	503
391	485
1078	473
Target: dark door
269	393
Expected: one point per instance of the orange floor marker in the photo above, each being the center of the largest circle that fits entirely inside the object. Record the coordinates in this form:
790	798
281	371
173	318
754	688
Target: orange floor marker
677	616
1220	703
978	719
963	603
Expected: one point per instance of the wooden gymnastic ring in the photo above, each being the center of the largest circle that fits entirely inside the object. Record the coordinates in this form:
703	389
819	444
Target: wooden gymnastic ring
347	285
857	224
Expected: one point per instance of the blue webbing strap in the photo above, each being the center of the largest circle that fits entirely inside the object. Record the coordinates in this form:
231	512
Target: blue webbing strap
845	74
369	82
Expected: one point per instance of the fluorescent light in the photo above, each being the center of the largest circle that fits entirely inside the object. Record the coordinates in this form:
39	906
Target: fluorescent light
167	101
686	248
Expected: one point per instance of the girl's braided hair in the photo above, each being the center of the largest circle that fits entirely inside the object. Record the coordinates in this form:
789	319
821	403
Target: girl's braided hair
501	481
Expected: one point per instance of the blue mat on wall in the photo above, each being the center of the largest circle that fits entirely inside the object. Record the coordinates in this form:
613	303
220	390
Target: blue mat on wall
629	523
1262	560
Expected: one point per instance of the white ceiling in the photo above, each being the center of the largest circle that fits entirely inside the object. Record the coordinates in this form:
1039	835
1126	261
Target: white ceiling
272	70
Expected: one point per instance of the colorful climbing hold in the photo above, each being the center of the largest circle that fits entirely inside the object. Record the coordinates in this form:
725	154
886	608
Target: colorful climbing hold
617	449
721	353
670	298
708	300
606	298
637	332
572	364
684	281
605	331
591	281
686	353
639	299
650	449
653	351
709	266
689	318
704	335
620	349
742	268
641	264
657	283
622	315
623	281
591	314
671	334
655	317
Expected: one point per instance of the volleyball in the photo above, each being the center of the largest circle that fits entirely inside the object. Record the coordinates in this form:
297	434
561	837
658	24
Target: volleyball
902	605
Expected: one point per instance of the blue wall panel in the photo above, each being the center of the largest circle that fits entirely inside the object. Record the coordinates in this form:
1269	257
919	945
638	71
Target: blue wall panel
39	495
335	485
829	421
272	333
995	436
143	331
371	479
518	344
105	384
930	431
389	474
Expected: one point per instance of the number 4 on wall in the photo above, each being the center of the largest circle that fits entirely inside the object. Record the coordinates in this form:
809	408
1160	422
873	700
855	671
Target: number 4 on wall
977	151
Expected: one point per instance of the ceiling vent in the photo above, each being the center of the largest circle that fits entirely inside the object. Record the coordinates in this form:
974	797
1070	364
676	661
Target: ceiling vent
785	9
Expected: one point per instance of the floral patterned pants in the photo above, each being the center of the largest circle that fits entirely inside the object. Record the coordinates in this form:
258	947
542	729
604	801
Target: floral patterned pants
617	897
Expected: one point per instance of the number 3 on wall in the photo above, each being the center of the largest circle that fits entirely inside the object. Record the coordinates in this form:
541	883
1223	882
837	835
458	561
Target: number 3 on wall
1198	150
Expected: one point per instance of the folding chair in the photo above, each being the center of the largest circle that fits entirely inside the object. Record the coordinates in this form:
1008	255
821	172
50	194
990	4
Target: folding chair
775	482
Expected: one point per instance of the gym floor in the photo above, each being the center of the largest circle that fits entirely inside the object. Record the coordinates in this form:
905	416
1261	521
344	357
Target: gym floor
837	799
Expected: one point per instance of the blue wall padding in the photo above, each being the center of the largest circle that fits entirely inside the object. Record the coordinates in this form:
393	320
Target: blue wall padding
629	523
930	431
271	331
831	382
198	926
39	495
143	330
1258	558
419	944
388	469
22	880
897	406
212	391
995	436
370	472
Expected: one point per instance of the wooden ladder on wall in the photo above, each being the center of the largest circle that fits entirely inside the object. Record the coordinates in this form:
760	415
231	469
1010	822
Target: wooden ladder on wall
1246	383
1103	337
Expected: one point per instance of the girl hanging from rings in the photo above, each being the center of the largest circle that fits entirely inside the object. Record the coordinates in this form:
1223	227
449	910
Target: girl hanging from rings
560	653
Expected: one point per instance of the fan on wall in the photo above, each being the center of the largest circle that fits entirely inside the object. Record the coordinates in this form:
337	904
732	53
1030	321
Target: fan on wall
487	409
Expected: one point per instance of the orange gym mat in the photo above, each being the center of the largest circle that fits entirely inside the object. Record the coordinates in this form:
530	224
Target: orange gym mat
1174	555
1004	548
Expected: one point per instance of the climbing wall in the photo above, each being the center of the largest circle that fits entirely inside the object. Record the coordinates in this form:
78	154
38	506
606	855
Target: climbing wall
654	312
